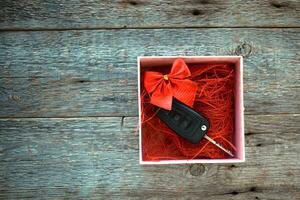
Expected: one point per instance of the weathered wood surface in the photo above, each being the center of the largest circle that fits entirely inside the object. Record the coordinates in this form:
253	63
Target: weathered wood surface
68	98
97	158
85	14
93	73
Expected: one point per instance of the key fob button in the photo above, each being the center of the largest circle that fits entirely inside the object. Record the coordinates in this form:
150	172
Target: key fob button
177	117
184	124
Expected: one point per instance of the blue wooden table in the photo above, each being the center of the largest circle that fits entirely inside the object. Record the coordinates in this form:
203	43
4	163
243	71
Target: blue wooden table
68	97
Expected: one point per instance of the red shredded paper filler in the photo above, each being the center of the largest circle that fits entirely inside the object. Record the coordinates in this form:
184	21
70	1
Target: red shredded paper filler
214	99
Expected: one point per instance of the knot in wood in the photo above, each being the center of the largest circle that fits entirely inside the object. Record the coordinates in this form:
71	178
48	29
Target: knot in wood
197	169
243	49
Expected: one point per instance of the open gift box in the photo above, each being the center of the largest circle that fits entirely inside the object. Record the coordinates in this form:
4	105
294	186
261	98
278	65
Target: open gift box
158	145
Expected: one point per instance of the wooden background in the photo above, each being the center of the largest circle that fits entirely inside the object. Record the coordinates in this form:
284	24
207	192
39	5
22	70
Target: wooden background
68	97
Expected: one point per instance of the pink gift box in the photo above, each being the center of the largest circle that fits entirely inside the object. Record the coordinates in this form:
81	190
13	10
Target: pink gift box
153	61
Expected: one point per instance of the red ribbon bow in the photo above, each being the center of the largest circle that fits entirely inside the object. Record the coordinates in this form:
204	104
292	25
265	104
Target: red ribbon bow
162	88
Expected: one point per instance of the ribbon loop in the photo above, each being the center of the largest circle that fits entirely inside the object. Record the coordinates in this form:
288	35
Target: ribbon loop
162	88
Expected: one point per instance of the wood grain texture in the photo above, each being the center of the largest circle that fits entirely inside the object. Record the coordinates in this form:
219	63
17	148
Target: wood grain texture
83	14
93	73
97	158
68	97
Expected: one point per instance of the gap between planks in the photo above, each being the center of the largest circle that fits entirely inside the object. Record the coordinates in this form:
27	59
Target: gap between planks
125	116
146	27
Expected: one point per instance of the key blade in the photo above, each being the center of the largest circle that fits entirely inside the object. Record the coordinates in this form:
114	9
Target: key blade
218	145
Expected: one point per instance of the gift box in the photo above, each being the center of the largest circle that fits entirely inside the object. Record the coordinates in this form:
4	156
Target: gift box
219	98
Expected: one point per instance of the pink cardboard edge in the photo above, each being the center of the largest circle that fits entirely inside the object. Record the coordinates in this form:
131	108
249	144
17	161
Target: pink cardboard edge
239	104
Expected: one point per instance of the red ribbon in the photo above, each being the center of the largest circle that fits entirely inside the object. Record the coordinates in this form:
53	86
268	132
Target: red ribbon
162	88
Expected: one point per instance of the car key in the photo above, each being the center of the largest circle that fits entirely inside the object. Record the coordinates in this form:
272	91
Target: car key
187	123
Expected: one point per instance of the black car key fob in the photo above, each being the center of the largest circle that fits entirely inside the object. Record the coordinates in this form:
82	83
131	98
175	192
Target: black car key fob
185	121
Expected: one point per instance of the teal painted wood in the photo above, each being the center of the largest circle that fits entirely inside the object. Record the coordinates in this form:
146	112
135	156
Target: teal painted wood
97	158
93	73
83	85
85	14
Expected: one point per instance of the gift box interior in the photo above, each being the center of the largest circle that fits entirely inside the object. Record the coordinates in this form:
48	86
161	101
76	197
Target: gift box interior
219	98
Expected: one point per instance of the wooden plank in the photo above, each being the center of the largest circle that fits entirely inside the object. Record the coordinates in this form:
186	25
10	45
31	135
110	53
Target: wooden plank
81	14
93	73
98	158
